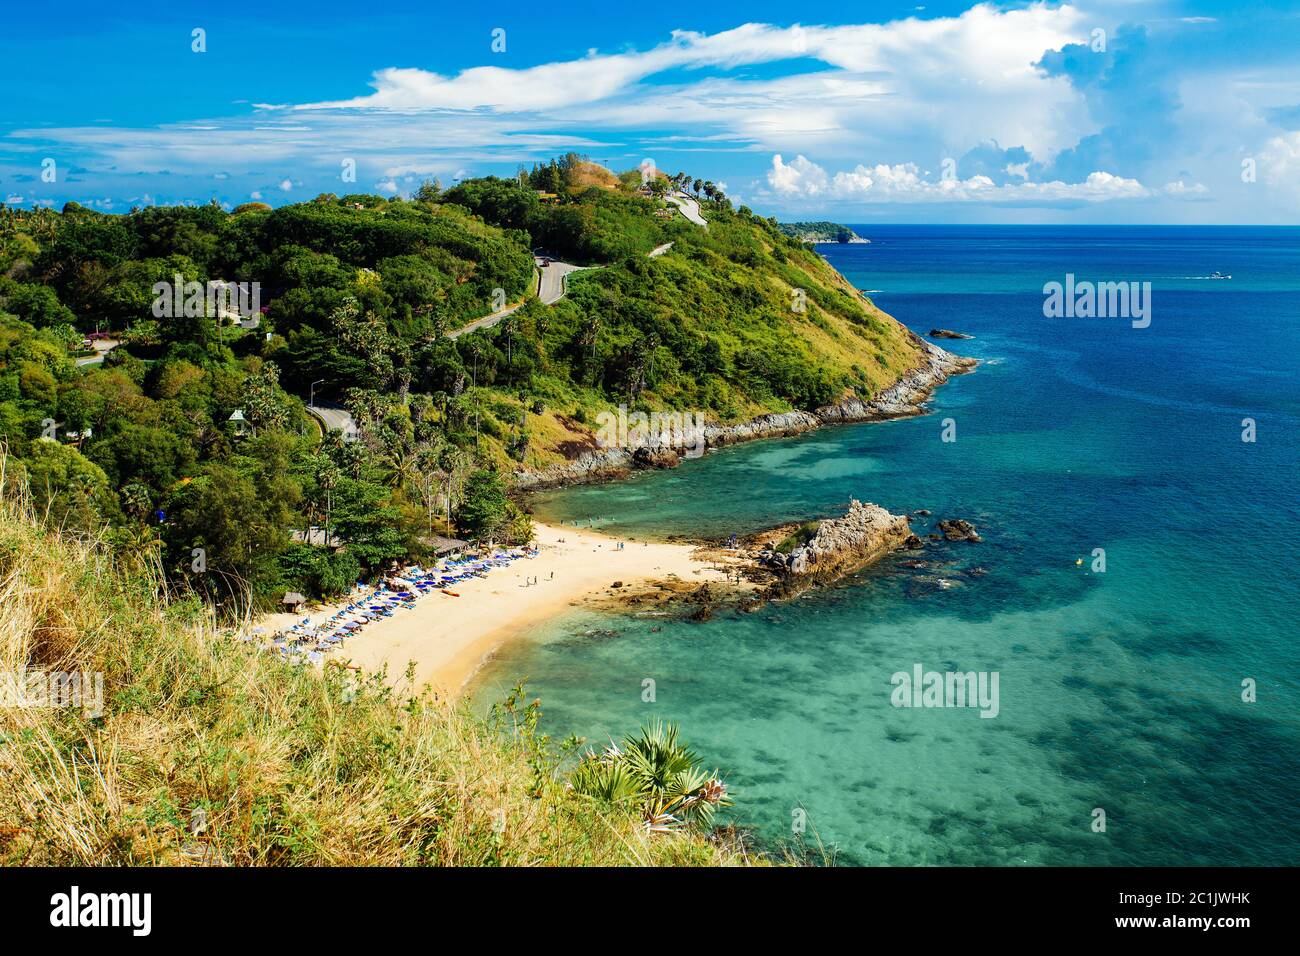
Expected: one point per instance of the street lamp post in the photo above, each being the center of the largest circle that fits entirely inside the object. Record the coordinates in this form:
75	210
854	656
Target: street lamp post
311	401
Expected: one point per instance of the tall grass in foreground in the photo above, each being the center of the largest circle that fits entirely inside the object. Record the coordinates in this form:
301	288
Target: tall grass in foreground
209	751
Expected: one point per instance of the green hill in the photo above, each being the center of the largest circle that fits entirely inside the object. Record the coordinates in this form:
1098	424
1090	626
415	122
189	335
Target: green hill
194	432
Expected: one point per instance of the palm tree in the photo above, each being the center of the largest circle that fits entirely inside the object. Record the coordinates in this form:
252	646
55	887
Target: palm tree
590	334
454	463
327	478
509	326
400	465
655	773
139	548
429	477
136	501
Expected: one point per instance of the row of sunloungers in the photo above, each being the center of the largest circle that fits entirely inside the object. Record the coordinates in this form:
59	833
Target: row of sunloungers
308	643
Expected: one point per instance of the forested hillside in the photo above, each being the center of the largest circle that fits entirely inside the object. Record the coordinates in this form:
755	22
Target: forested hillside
188	431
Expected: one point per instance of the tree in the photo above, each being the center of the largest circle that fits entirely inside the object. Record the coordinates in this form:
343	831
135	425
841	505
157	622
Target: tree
36	304
399	465
366	523
483	505
264	402
430	190
454	465
657	776
67	488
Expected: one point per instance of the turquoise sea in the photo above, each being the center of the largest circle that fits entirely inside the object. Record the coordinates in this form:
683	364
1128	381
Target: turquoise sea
1120	690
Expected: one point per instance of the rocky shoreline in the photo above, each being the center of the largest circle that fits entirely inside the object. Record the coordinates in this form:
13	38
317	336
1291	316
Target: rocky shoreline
781	563
904	398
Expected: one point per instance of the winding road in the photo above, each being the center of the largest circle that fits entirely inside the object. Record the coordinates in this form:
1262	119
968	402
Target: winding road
335	417
551	287
552	283
688	207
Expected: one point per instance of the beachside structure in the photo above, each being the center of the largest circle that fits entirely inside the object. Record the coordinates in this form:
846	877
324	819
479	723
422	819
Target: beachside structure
444	547
293	600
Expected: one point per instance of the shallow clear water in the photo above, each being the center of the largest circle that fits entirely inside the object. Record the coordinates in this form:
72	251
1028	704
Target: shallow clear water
1120	690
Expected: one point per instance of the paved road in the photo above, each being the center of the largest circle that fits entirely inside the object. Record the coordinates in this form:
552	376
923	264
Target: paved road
486	322
102	347
553	286
335	417
689	207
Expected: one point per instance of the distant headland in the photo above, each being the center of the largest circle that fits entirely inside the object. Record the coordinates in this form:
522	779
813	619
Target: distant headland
821	232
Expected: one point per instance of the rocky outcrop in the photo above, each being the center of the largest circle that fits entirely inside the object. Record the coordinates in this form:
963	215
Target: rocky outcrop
604	465
958	529
611	463
948	334
905	397
656	457
774	425
841	546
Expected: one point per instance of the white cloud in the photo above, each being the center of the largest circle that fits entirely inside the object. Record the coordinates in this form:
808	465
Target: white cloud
904	182
955	80
1180	188
984	46
800	177
1279	164
286	184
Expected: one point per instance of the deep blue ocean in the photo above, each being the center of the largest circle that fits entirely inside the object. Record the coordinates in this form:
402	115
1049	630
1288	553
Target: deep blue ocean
1120	690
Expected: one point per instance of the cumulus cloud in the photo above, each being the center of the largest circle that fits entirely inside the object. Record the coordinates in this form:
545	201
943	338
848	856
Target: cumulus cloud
1279	166
905	182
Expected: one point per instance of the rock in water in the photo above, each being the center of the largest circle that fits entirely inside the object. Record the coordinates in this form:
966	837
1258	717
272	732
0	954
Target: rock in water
656	457
957	529
841	546
948	334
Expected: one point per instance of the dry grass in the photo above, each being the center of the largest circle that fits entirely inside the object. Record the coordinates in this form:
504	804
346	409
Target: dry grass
585	175
285	766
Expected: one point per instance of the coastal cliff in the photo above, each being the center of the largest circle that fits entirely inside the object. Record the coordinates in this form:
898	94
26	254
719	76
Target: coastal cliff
904	398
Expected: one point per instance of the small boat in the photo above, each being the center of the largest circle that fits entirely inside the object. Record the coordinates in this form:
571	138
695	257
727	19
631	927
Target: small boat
1216	274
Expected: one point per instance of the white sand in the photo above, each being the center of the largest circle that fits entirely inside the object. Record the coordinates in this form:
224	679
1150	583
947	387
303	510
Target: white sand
448	638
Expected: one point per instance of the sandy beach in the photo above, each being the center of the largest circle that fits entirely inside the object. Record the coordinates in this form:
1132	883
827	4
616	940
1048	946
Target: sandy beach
448	638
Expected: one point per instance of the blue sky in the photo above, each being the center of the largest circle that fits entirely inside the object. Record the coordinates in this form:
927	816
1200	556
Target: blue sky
1109	111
